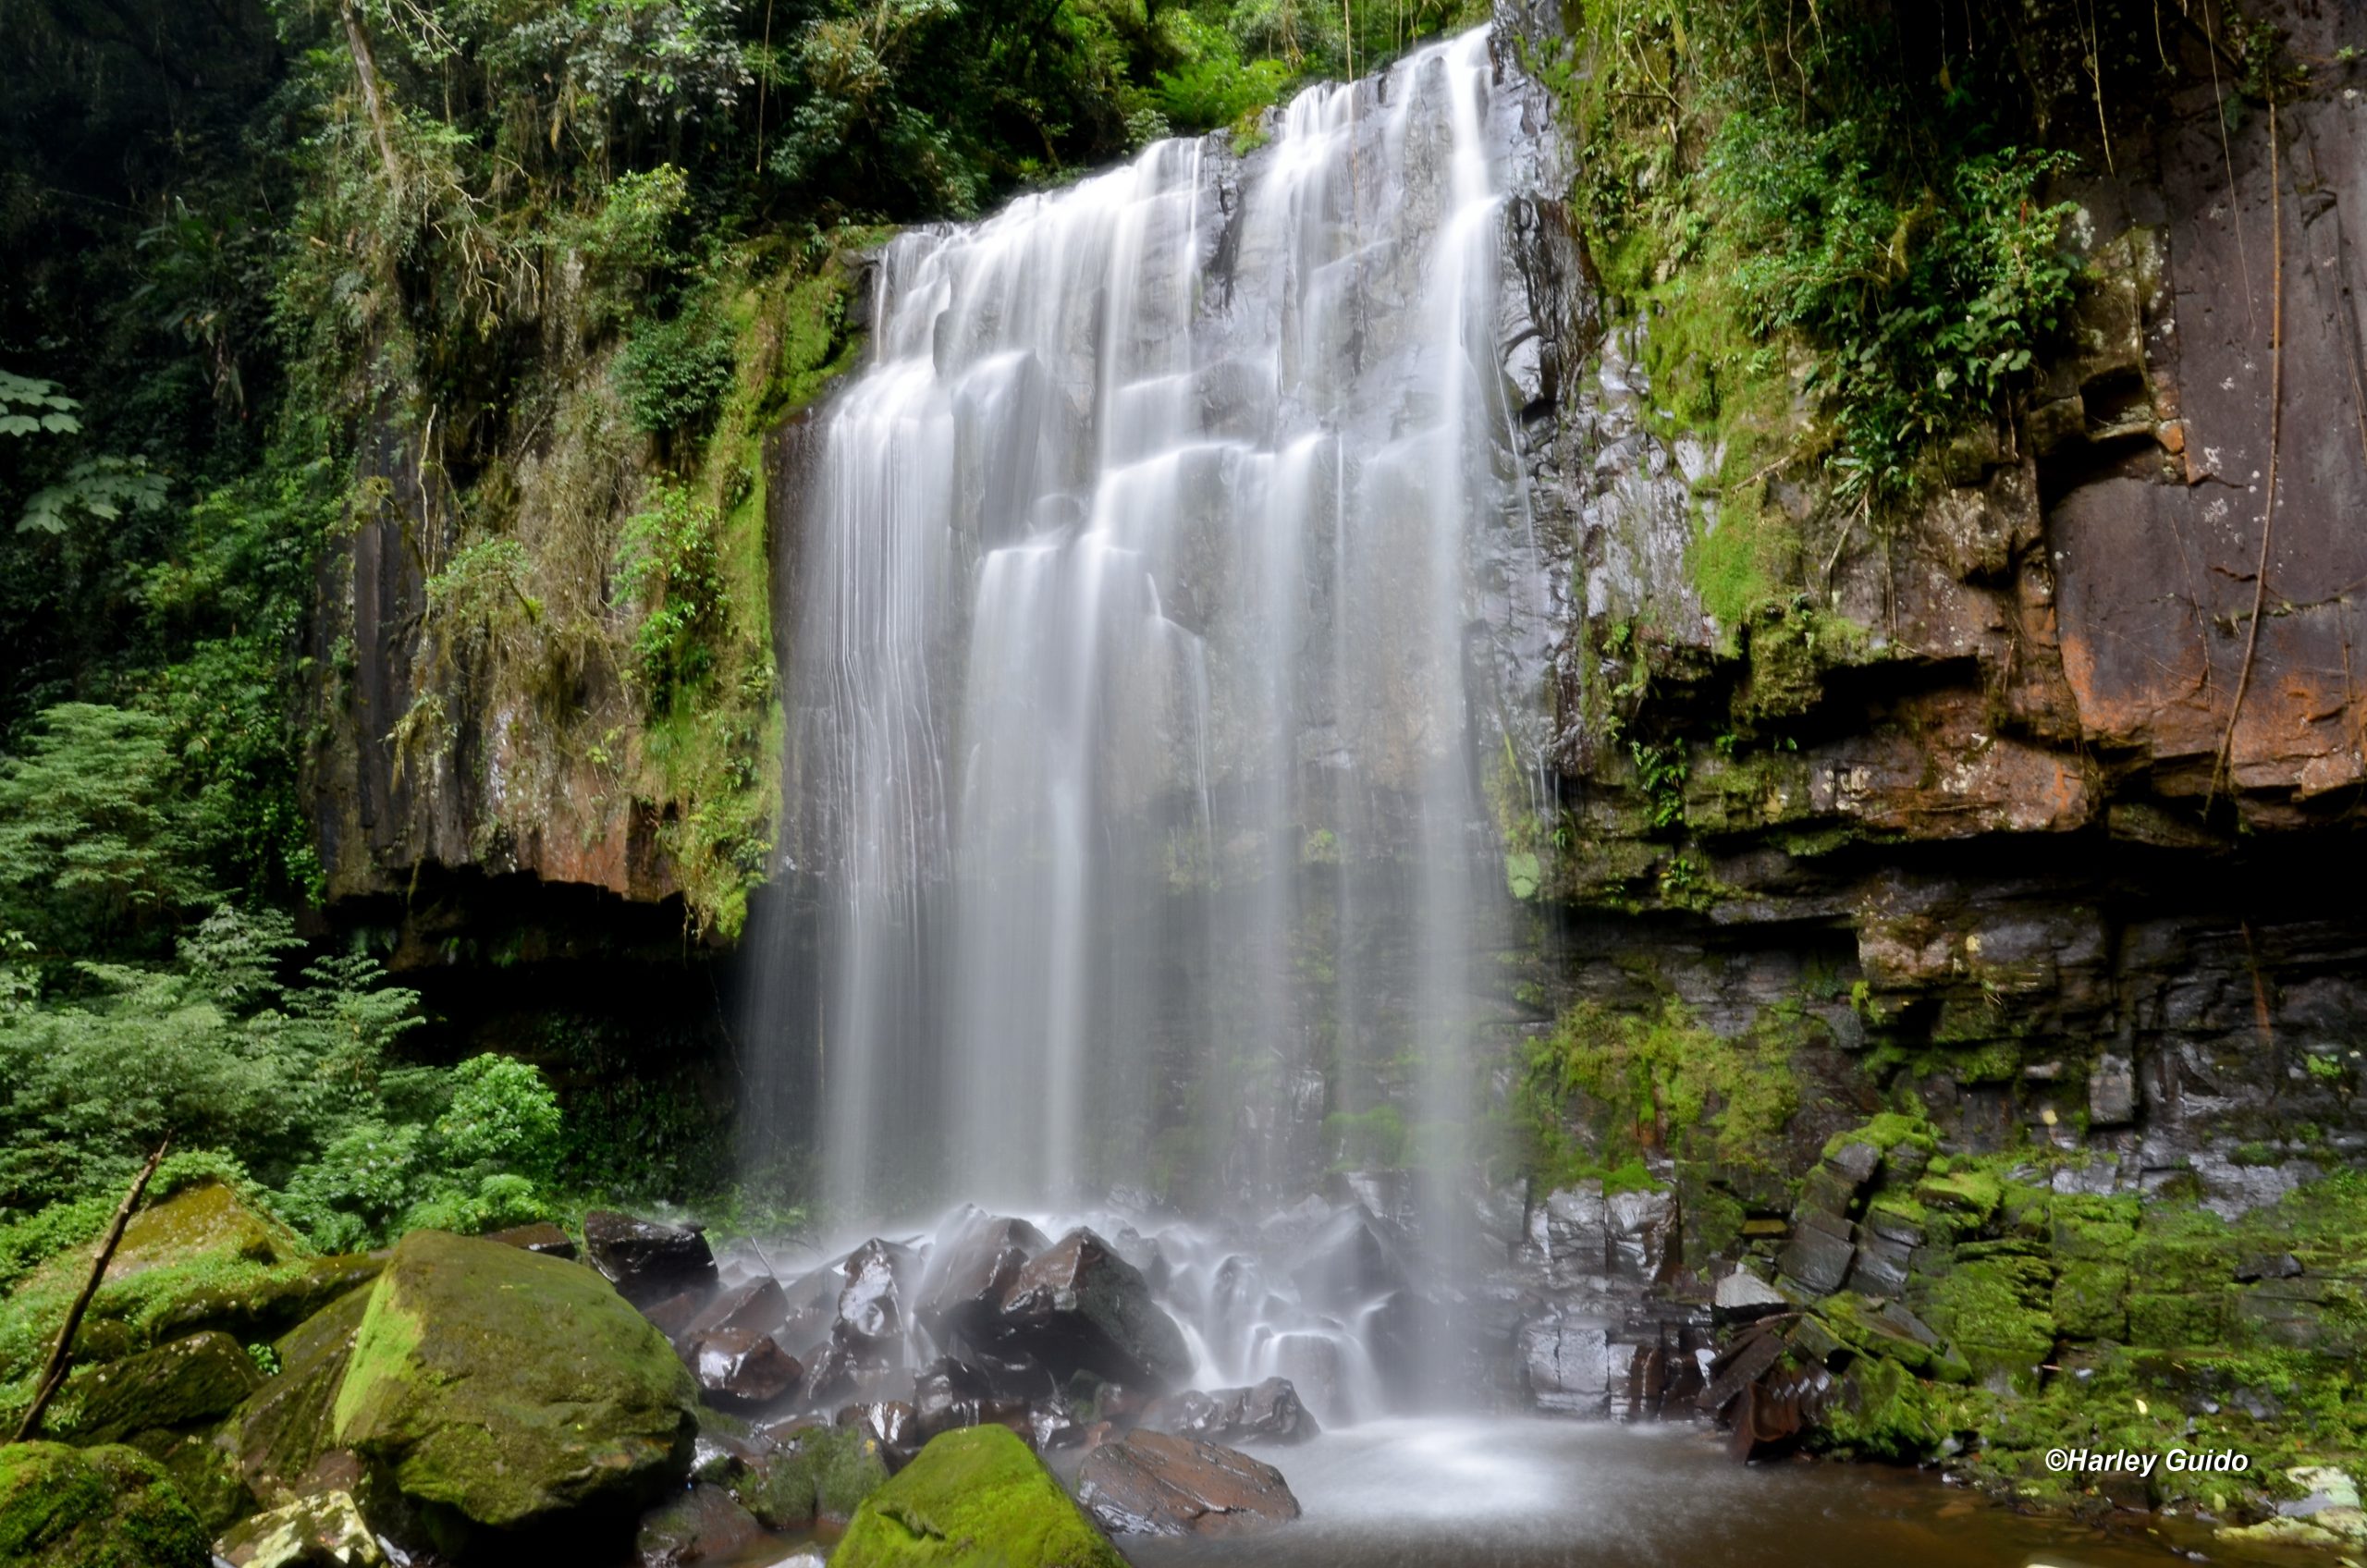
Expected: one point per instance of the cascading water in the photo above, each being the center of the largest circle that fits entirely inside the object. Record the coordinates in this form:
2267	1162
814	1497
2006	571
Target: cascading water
1135	754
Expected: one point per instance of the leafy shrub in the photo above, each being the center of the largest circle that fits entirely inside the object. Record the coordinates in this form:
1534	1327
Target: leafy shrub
91	845
672	373
669	570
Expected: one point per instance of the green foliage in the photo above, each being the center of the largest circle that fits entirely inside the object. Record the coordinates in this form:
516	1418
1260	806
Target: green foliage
1213	86
91	845
1854	209
671	373
668	570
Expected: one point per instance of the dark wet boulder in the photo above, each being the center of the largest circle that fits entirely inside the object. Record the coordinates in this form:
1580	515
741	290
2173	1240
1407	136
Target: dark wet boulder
647	1260
973	1499
815	1473
1819	1255
949	1393
872	1314
103	1507
756	1305
508	1389
1160	1484
838	1373
674	1316
1052	1423
702	1523
895	1424
323	1531
542	1236
200	1378
1267	1412
1079	1306
739	1370
287	1424
963	1287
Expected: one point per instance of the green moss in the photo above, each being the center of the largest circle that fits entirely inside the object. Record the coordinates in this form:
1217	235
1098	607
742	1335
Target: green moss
1885	1413
976	1497
1604	1089
1973	1194
822	1472
507	1386
197	1379
107	1507
1886	1132
1994	1303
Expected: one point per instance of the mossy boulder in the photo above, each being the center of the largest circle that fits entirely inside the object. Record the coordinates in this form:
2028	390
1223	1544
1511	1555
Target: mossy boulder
105	1507
200	1378
822	1472
208	1220
977	1498
509	1387
288	1422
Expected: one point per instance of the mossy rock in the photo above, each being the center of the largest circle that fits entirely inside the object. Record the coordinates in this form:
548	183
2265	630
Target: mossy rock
1994	1305
200	1378
1974	1193
207	1220
1885	1413
201	1260
823	1473
977	1498
509	1387
287	1422
105	1507
2092	1300
326	1528
204	1471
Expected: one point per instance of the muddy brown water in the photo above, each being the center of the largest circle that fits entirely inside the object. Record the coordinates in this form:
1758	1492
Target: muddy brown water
1505	1493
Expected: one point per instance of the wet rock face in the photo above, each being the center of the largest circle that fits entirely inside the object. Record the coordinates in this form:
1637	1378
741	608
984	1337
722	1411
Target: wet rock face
647	1260
1160	1484
1079	1306
739	1369
1270	1412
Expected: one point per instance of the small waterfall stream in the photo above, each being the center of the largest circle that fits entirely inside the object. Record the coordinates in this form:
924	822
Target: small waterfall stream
1136	723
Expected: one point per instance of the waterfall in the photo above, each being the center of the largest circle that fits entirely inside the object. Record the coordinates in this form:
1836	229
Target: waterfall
1135	727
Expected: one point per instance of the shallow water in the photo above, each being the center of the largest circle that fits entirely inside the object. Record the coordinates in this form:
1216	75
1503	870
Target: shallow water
1537	1494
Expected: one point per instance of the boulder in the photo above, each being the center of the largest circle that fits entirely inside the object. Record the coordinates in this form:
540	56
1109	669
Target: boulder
966	1281
756	1306
200	1378
871	1304
208	1221
1160	1484
891	1422
286	1425
977	1498
103	1507
739	1370
1270	1412
648	1261
542	1236
326	1531
509	1387
1079	1306
701	1524
816	1472
204	1471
